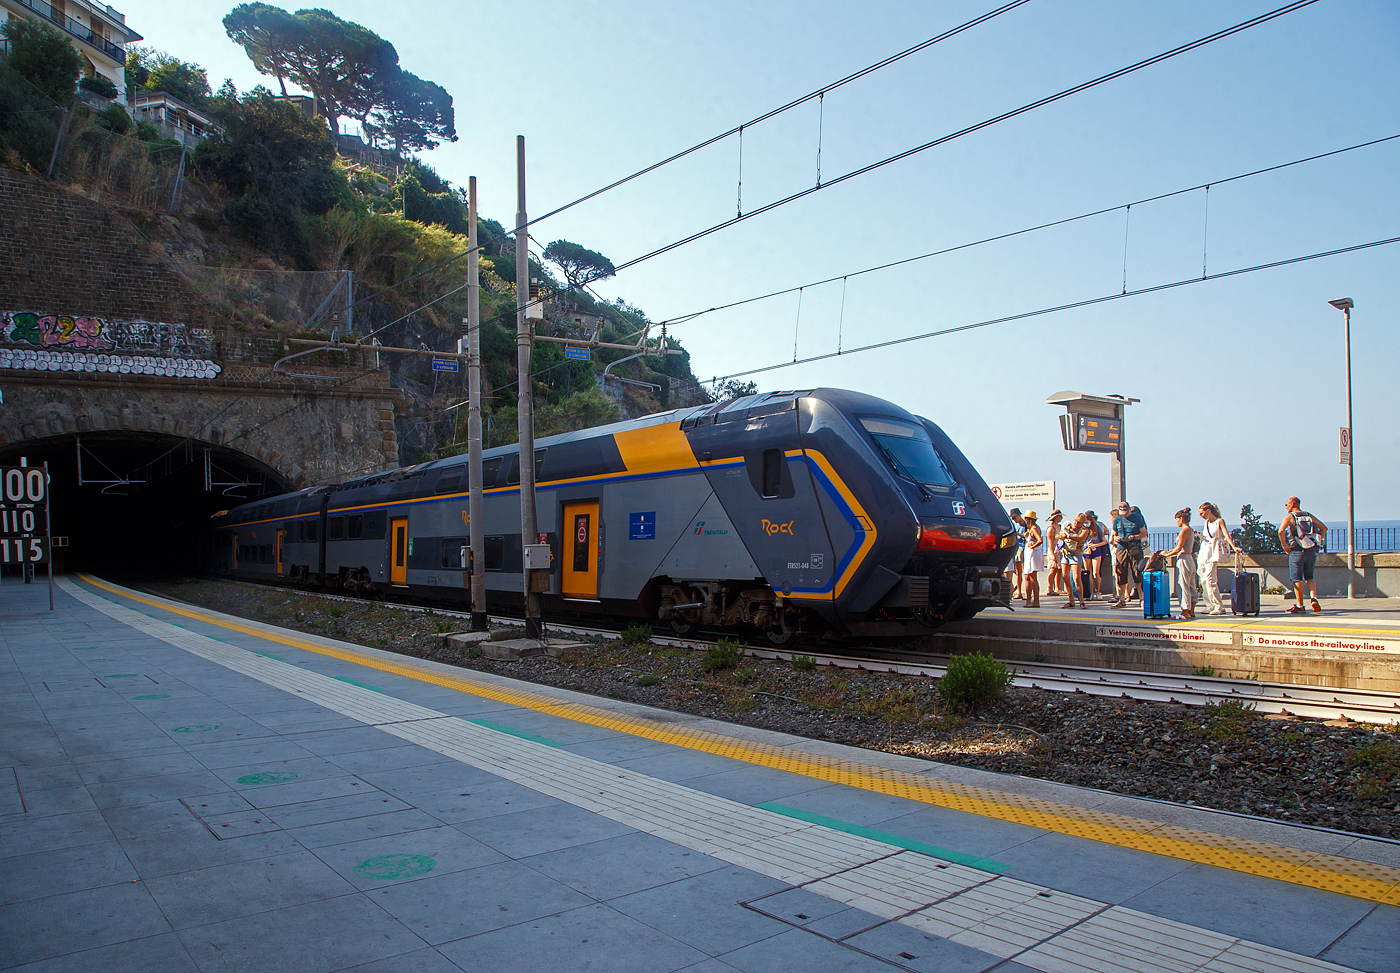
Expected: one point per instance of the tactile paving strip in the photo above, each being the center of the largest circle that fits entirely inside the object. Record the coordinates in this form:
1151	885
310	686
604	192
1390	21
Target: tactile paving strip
1002	916
1378	883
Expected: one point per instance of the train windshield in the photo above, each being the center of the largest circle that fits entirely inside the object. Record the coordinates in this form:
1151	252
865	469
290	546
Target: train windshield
907	447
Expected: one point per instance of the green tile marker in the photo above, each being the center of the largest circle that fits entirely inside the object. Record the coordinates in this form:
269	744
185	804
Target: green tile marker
522	734
933	851
385	868
356	682
196	728
153	696
268	777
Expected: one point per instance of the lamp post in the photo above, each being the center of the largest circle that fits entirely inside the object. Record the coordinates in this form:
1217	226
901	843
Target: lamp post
1345	304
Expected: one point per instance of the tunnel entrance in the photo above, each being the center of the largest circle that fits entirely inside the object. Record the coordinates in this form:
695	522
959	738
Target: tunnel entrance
142	506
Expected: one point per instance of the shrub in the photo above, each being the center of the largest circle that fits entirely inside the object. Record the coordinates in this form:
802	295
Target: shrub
804	663
98	85
637	635
974	679
724	654
649	679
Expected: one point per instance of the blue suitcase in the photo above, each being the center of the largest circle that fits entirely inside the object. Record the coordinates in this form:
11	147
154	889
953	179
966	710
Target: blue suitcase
1156	595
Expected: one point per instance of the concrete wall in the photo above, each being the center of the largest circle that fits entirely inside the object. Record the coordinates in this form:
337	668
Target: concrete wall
1377	575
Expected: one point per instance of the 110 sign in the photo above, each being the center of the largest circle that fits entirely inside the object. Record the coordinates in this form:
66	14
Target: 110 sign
23	550
19	521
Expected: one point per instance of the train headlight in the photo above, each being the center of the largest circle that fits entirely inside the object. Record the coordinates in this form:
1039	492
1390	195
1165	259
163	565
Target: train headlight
956	537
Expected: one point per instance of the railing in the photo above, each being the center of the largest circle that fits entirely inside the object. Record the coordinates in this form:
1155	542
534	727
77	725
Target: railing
81	31
1370	540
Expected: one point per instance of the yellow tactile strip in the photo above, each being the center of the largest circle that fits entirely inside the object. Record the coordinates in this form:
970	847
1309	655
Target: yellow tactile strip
1377	883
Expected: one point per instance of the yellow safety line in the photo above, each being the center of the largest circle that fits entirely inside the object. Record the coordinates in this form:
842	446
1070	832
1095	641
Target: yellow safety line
1363	880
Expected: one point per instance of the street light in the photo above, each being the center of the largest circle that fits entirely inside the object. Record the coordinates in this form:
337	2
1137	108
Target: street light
1345	304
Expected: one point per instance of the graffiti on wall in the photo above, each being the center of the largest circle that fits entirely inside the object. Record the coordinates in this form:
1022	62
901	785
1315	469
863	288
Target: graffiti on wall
67	332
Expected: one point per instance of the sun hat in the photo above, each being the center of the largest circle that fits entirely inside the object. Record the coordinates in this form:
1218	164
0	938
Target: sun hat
1029	515
1055	513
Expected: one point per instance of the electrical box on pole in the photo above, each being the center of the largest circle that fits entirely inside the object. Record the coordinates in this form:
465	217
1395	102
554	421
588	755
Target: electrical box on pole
1094	423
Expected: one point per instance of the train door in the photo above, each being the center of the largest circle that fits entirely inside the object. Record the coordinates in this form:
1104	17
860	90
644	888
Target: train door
398	558
280	535
580	569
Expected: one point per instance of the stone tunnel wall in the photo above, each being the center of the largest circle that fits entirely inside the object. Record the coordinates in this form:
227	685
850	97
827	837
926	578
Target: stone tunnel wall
307	436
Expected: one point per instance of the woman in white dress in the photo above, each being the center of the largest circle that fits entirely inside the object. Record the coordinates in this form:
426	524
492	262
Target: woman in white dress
1215	544
1035	560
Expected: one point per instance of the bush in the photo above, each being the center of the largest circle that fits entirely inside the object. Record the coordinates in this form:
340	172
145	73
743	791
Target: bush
974	679
724	654
636	635
804	663
649	679
98	85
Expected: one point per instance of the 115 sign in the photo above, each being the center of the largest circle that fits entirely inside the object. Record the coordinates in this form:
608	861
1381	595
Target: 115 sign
24	550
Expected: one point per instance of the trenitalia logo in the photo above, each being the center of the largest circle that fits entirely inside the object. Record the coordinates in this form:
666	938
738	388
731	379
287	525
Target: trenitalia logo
700	526
700	529
771	528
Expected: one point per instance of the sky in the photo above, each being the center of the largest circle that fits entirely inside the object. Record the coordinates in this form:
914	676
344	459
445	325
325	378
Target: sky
1243	380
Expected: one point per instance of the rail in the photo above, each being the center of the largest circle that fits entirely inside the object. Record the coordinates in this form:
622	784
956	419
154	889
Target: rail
1313	702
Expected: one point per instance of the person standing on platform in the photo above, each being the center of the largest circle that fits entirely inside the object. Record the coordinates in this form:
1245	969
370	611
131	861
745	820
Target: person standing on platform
1185	554
1215	538
1072	558
1035	560
1129	542
1017	564
1052	534
1302	536
1095	553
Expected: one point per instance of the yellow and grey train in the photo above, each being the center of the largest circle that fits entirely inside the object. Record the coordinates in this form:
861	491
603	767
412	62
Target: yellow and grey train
818	513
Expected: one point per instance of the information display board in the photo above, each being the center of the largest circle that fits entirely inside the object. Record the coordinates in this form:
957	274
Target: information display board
1097	434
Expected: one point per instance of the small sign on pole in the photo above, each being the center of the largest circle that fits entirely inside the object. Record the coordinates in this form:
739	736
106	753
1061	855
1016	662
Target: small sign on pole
1344	439
576	354
444	364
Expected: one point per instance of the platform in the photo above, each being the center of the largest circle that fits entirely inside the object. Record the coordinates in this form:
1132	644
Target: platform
190	791
1349	645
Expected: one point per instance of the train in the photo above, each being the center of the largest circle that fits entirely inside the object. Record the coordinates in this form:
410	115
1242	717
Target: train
823	513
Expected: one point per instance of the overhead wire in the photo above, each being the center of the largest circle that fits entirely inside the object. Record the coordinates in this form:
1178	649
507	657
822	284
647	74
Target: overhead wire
692	315
977	127
1089	302
738	129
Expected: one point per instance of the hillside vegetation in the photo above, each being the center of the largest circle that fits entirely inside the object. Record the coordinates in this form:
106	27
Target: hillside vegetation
274	189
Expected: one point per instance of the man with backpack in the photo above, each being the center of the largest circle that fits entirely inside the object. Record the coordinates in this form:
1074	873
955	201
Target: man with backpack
1302	536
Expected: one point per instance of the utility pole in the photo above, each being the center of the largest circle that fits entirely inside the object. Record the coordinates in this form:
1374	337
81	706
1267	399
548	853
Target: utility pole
476	526
525	409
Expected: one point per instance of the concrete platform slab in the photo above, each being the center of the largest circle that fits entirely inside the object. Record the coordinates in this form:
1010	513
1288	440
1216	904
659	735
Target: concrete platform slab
370	829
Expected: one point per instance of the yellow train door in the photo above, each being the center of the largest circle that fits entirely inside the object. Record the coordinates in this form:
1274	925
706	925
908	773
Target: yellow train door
398	559
580	568
280	535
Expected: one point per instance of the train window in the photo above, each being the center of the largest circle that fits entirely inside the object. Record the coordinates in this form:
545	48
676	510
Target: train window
311	529
374	525
490	471
335	528
514	475
265	553
448	482
909	451
772	472
496	553
355	526
300	532
452	550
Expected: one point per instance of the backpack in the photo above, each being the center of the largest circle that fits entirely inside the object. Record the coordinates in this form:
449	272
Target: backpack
1305	529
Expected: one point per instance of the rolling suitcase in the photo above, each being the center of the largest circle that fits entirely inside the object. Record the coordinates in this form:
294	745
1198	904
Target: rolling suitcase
1156	595
1244	593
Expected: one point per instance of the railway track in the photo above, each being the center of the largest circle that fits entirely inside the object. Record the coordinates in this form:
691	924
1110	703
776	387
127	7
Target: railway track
1315	702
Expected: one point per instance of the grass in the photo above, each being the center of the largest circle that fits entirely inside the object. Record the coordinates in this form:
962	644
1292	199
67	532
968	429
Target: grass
1379	763
1204	671
741	703
804	663
1225	719
893	705
648	679
724	654
636	636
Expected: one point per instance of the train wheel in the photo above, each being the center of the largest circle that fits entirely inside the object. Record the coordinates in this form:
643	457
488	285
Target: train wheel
780	639
681	628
